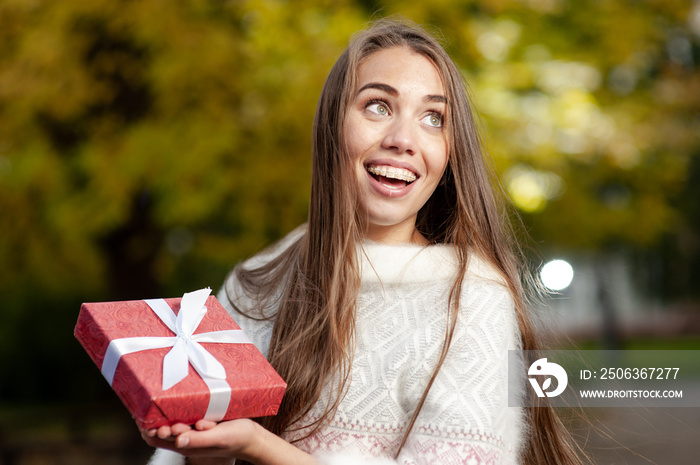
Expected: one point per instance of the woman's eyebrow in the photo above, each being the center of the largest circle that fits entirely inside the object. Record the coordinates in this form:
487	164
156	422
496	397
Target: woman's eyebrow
393	92
435	98
378	85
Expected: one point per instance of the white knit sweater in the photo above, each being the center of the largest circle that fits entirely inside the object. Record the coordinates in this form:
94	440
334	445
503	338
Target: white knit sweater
401	320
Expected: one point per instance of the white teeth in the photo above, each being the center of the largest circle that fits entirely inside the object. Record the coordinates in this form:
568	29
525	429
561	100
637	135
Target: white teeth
392	172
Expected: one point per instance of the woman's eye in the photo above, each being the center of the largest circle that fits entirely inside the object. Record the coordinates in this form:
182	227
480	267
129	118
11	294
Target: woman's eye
378	108
433	120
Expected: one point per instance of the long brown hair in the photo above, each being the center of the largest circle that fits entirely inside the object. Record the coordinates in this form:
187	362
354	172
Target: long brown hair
314	307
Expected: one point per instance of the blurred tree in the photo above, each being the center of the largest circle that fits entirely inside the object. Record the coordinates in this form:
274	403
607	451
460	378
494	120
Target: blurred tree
590	108
147	146
591	111
128	143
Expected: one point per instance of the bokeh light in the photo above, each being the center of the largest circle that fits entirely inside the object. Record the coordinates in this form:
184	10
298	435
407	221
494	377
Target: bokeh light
557	275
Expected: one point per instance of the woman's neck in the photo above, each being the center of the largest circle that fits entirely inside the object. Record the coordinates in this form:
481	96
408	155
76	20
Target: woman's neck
395	234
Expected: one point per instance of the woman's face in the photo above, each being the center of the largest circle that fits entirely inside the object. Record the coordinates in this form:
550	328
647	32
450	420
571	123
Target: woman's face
394	133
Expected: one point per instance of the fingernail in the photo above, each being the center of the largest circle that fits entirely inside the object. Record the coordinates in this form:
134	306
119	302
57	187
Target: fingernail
183	441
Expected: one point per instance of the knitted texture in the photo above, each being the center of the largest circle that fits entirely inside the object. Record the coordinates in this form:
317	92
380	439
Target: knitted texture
401	323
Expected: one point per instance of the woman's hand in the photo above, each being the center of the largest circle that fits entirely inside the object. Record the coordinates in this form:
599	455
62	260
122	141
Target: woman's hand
242	438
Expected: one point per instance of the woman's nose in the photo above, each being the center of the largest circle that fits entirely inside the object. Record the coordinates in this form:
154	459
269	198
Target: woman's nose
400	136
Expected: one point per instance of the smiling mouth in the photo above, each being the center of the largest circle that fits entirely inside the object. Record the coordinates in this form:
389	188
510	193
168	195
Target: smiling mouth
392	176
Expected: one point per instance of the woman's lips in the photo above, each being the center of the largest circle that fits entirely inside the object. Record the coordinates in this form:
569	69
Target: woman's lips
389	187
391	178
392	172
390	163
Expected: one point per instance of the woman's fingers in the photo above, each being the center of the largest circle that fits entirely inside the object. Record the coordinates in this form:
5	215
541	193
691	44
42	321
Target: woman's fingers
164	432
203	425
233	436
155	441
179	428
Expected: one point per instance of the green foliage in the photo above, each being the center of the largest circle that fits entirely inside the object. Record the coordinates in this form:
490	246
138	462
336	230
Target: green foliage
146	147
198	121
589	107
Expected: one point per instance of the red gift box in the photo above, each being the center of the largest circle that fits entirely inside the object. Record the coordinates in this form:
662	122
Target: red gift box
169	365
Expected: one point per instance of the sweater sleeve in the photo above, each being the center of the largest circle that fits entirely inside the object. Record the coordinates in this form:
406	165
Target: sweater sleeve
166	457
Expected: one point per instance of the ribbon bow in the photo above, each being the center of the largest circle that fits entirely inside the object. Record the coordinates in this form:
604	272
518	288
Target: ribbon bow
186	349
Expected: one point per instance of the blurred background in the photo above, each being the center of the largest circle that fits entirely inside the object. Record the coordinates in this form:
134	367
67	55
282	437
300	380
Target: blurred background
148	146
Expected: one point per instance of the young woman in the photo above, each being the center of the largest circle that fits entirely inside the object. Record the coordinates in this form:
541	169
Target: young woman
391	312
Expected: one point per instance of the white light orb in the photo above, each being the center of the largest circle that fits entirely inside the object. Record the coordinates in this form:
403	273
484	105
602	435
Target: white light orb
557	275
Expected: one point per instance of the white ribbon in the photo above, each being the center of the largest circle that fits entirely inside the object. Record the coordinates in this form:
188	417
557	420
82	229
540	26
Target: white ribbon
186	349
